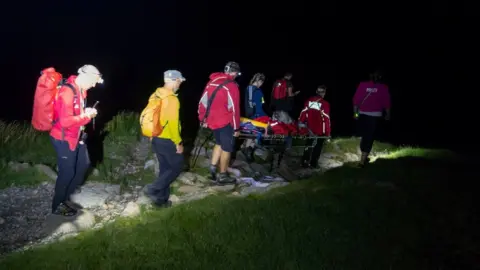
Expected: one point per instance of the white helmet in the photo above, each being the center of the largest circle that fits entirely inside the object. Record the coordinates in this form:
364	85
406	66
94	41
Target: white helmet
90	69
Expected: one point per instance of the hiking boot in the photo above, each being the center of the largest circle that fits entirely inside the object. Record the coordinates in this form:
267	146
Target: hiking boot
213	172
64	210
73	205
225	179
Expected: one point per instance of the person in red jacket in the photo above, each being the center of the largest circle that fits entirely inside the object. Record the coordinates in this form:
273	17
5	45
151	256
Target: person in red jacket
282	94
70	117
316	117
222	116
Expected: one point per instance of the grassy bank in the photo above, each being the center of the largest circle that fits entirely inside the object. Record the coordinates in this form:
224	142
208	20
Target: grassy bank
402	212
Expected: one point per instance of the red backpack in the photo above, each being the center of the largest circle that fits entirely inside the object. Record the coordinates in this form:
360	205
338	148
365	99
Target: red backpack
279	90
47	88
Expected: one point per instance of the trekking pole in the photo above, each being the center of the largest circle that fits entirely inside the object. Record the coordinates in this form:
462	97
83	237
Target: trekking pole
200	145
93	120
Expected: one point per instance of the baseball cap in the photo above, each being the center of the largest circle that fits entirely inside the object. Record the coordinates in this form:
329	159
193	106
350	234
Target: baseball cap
173	75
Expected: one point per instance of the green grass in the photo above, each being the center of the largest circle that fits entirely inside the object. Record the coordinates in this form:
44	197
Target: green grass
26	177
20	142
400	212
351	145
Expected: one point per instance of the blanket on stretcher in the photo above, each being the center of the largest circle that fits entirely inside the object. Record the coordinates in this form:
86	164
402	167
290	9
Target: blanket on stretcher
267	125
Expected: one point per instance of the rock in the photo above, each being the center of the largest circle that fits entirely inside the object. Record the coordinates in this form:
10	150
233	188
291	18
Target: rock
350	157
47	171
59	225
174	198
67	236
188	189
143	200
327	163
261	154
91	196
187	178
132	209
235	172
224	188
2	220
15	166
259	168
286	173
95	172
150	164
113	189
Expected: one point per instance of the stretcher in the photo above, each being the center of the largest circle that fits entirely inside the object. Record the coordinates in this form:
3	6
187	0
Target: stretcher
269	137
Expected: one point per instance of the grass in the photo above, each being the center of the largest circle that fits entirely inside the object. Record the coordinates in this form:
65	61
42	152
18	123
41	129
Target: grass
398	213
20	142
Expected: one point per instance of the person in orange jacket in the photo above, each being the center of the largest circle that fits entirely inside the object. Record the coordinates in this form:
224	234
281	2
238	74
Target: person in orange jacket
70	117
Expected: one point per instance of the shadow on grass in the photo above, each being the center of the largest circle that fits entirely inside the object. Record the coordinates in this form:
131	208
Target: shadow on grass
406	213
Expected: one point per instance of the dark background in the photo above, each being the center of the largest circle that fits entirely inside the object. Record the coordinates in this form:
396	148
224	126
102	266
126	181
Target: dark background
428	55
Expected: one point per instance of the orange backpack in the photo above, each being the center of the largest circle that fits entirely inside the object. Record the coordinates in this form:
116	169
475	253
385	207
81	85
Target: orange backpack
47	88
150	117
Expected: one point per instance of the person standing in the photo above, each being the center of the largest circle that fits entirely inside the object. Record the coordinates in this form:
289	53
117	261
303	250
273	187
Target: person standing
66	135
168	145
219	110
370	101
316	117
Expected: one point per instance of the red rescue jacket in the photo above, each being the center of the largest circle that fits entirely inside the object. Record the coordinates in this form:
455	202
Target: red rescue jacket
316	115
225	108
68	109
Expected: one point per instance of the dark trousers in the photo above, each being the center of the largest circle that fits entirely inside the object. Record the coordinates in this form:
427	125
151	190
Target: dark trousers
72	167
170	164
311	155
367	125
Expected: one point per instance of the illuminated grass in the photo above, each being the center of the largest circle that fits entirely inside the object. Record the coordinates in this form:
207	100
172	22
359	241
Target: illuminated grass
402	213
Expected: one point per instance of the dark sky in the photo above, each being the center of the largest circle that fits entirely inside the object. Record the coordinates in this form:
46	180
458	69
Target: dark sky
428	58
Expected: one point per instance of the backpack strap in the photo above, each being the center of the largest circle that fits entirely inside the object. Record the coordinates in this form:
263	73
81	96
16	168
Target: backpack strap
210	100
160	108
74	97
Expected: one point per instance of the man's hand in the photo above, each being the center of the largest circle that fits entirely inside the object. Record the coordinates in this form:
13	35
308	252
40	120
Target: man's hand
296	93
236	134
204	125
179	148
90	112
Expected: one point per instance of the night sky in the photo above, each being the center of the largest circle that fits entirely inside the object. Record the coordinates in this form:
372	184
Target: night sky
428	58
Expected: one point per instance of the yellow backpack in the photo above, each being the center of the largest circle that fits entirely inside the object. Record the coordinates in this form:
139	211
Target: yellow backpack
150	117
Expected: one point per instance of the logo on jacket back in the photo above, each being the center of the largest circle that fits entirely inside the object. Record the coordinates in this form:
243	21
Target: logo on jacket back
314	105
371	90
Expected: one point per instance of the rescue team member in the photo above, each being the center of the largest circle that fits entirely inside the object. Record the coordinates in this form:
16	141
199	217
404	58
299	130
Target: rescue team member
316	117
168	145
70	117
222	116
282	94
254	97
254	107
370	100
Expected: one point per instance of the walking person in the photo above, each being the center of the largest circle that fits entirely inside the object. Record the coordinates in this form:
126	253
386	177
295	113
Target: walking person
370	101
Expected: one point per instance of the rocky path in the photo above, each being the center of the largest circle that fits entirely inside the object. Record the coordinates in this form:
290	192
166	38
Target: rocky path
25	219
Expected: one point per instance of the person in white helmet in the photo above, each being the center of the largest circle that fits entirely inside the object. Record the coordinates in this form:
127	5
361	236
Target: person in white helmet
70	117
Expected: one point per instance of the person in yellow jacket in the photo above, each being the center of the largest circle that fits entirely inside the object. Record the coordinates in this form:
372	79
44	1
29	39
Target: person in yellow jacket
168	145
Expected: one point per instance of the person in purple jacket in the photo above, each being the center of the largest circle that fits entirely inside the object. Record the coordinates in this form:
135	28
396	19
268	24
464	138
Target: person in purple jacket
370	101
